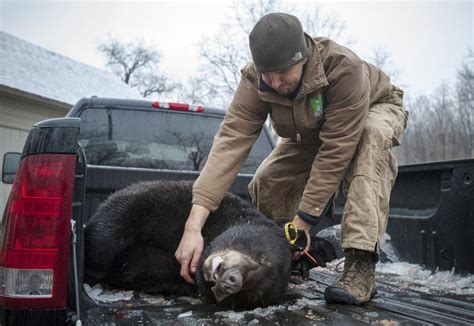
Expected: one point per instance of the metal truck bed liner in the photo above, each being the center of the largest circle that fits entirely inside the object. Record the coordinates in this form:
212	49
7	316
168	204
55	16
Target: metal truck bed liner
392	305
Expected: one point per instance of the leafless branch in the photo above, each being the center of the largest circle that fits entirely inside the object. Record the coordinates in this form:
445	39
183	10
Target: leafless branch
137	65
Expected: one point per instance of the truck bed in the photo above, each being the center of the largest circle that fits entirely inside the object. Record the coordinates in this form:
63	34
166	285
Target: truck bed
396	302
305	305
430	224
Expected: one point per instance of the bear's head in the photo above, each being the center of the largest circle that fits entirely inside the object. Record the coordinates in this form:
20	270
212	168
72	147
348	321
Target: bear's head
246	266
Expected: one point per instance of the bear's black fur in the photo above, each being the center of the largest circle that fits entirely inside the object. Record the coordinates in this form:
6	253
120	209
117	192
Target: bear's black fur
130	244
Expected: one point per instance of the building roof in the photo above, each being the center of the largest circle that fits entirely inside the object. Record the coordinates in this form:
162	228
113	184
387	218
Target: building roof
35	70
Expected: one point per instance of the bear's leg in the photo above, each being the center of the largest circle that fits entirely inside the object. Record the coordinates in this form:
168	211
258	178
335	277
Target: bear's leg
148	269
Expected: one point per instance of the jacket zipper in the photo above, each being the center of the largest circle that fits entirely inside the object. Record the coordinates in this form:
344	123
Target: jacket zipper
298	136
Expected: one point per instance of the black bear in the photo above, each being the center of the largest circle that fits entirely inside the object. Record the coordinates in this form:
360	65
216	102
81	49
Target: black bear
130	244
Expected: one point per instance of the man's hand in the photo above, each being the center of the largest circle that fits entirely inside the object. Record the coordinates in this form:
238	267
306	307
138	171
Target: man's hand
188	253
304	226
192	243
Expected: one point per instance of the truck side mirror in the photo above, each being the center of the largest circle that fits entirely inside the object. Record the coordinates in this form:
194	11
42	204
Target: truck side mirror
11	161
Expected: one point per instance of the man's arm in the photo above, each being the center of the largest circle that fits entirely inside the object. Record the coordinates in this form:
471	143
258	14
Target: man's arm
238	132
232	143
348	97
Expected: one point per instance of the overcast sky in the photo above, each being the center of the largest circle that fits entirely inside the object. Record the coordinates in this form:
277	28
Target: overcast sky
427	39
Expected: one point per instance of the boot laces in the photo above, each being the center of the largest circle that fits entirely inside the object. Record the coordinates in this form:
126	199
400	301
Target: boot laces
359	272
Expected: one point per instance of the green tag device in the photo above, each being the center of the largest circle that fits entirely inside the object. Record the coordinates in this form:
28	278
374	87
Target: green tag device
316	104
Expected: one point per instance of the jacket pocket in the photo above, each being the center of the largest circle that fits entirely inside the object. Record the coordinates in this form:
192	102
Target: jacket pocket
283	121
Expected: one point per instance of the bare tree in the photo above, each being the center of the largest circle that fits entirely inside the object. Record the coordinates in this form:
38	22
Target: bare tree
440	126
194	90
222	57
442	123
196	147
137	65
247	12
317	23
465	102
382	59
224	54
415	140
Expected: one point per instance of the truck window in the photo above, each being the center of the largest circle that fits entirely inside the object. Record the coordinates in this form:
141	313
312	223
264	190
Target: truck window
155	139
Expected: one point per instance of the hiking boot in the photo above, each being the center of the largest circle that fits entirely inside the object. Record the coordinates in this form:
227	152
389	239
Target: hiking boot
357	282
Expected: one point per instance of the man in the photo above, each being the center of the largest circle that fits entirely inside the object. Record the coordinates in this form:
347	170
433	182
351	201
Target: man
338	117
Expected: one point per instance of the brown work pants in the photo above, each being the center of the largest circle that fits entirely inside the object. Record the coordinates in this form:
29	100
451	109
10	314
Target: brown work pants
279	182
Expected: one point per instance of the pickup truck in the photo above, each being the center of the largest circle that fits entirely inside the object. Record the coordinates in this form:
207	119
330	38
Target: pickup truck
70	165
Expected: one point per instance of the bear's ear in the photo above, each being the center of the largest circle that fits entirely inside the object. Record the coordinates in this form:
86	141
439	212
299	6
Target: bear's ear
263	260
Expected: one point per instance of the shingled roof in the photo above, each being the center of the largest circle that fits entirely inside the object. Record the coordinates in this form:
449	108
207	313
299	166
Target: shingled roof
35	70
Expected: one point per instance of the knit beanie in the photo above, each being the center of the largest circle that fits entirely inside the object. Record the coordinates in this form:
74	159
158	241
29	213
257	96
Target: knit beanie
277	42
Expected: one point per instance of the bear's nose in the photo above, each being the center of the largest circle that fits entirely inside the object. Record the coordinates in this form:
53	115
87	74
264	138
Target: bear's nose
229	283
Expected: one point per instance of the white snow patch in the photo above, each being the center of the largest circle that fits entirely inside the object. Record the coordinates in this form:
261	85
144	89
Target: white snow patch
426	280
186	314
191	300
268	311
388	248
101	295
231	315
301	303
156	300
414	277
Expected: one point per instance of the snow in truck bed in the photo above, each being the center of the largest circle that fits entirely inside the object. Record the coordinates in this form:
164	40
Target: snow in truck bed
408	294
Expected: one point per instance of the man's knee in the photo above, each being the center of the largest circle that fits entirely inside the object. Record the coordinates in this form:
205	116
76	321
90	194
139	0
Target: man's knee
261	178
376	134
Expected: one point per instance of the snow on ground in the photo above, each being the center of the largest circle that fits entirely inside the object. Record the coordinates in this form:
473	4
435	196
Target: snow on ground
405	275
104	294
402	274
425	280
99	294
236	317
415	277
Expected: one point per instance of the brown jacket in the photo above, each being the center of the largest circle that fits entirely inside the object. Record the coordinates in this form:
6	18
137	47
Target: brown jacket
347	86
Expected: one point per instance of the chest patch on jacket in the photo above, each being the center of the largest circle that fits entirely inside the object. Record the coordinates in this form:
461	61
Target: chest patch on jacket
316	104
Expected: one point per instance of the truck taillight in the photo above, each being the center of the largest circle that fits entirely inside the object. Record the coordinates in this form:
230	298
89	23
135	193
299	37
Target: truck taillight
35	239
177	106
